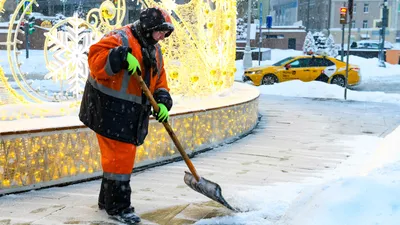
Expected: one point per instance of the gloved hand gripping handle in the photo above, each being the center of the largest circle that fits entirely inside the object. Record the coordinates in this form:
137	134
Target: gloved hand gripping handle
167	127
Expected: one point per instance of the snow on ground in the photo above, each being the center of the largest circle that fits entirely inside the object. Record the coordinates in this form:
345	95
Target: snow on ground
370	68
33	66
378	84
369	194
363	190
317	89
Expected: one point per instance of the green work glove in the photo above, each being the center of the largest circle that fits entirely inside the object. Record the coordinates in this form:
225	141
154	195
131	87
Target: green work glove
133	64
162	115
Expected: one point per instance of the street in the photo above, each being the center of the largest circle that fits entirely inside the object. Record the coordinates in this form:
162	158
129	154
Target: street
387	84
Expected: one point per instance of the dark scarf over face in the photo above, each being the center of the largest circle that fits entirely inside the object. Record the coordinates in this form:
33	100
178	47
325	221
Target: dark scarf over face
148	47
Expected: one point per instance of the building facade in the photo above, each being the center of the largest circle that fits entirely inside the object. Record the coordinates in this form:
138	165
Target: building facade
265	10
69	7
242	8
284	12
367	15
315	14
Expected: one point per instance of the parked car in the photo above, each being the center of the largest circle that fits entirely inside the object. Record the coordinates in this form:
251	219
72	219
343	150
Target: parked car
373	44
304	68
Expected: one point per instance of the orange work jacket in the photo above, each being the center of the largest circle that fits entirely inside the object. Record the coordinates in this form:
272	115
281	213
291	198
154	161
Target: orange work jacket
113	104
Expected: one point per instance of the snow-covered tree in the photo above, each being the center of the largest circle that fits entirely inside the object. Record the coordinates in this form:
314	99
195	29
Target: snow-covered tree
79	10
241	29
309	44
59	18
242	8
320	40
331	47
241	22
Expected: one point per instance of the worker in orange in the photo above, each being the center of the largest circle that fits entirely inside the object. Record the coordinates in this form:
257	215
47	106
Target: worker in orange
114	106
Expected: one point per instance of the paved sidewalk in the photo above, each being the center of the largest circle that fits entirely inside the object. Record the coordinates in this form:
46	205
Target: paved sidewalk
296	139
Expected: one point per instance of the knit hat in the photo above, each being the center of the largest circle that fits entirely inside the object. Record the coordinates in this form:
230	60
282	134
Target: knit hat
155	19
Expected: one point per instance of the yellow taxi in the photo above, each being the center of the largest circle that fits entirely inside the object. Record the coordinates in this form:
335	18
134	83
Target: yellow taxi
304	68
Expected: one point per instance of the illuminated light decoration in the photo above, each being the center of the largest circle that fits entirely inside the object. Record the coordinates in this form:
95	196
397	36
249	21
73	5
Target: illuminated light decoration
2	6
7	94
107	12
207	31
199	59
13	53
69	47
69	154
46	24
73	48
205	65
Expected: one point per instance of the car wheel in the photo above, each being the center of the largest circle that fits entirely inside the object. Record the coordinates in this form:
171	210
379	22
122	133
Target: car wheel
269	79
339	80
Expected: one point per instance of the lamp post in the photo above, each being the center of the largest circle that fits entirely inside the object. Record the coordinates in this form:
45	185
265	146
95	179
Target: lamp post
350	10
308	16
329	16
63	1
247	60
383	30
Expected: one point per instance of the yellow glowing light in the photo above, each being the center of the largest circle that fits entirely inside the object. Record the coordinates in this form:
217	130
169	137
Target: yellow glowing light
174	75
108	10
6	183
199	25
10	94
2	5
190	49
73	170
194	79
46	24
198	63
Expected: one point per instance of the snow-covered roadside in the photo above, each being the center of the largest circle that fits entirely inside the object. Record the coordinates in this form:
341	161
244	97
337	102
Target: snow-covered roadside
363	190
385	82
370	196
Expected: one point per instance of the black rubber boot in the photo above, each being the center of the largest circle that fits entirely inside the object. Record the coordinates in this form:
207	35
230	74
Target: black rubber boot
117	199
101	201
127	216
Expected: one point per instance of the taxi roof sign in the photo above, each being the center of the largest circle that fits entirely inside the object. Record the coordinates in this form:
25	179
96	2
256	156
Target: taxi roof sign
343	10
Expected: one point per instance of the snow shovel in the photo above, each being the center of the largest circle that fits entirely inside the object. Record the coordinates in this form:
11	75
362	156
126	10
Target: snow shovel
193	180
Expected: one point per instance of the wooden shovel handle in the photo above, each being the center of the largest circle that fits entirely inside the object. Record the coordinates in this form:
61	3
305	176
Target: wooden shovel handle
167	127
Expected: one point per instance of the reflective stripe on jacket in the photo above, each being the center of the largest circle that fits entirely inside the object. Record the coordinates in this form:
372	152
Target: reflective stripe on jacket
112	104
122	83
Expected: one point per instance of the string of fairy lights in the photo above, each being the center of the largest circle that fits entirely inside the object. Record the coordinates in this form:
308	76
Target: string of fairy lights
199	60
199	57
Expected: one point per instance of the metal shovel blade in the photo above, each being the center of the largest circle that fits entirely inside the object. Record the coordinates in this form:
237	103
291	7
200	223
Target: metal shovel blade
207	188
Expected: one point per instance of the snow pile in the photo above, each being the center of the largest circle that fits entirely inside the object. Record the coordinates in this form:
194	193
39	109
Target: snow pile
371	70
316	89
355	193
370	197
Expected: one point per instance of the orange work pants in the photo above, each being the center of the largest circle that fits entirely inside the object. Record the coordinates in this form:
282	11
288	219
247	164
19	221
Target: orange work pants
116	157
